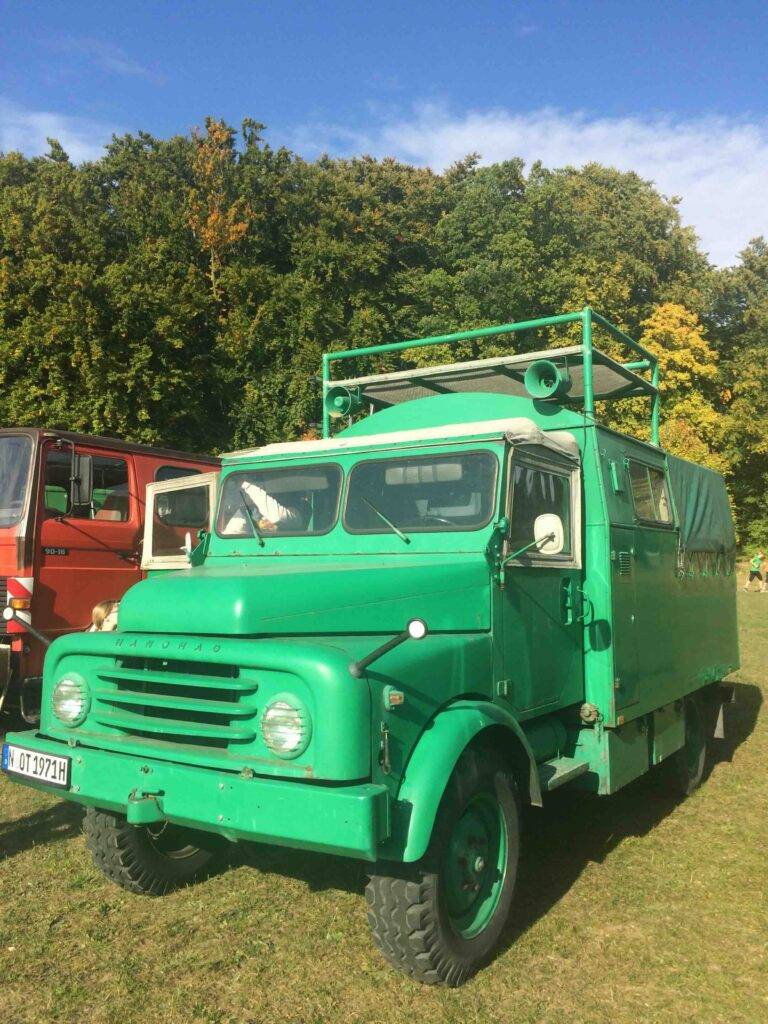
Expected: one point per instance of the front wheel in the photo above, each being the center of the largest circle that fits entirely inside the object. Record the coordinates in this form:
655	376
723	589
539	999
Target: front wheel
150	859
440	920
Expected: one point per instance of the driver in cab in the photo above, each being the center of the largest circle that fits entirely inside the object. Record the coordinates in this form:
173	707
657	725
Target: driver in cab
266	511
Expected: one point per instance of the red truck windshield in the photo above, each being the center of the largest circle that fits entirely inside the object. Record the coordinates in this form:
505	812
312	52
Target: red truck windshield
15	459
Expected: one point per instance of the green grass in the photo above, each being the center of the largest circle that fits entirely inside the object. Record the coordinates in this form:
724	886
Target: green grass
630	908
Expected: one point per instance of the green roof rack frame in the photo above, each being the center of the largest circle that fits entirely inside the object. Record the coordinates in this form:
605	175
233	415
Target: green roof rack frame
614	379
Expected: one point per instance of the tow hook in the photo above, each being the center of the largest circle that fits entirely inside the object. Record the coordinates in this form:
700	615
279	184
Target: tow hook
144	808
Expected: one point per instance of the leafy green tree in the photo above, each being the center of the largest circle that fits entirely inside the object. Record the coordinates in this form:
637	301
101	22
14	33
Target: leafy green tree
739	321
182	291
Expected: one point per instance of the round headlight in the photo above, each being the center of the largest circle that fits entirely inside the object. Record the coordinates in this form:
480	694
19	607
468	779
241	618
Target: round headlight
286	727
71	700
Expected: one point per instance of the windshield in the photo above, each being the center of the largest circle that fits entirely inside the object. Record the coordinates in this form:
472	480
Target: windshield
295	502
15	457
427	493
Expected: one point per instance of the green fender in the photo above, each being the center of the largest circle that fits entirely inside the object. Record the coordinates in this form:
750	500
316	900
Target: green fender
430	768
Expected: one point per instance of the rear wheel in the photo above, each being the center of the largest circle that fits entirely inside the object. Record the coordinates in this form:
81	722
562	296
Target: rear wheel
684	769
149	859
440	920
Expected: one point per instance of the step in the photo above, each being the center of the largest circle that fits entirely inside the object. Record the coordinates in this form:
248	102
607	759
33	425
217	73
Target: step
560	770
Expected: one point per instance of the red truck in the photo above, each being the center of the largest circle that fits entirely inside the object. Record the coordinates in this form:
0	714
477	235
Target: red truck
71	534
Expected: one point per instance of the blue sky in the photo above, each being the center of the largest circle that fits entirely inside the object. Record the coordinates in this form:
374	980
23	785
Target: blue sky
675	90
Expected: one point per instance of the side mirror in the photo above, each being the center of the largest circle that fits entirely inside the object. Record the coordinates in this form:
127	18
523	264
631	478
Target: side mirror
549	534
82	480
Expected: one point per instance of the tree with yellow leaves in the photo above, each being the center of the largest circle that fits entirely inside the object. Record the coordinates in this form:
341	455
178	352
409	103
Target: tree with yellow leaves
691	425
217	216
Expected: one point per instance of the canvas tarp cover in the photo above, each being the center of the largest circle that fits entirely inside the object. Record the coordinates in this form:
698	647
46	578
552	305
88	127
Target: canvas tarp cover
702	506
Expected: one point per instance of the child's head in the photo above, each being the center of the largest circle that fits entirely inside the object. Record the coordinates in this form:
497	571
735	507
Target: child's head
104	616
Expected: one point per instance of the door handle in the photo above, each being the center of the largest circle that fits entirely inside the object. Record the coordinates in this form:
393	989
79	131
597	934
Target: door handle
587	611
566	601
575	606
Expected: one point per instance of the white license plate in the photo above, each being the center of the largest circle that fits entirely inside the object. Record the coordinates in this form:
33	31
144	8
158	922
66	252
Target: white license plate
47	768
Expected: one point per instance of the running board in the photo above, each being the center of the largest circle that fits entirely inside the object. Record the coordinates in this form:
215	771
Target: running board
560	770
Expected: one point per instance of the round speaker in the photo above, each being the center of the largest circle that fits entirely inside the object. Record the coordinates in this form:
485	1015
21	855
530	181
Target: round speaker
340	401
545	380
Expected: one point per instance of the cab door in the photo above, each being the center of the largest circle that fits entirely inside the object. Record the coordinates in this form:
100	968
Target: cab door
542	618
89	542
177	510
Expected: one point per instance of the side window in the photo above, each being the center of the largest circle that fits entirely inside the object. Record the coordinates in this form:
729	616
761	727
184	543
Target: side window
183	508
650	493
103	489
536	491
173	473
110	500
58	467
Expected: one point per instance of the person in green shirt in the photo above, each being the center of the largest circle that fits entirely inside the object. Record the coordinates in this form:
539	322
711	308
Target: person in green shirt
756	571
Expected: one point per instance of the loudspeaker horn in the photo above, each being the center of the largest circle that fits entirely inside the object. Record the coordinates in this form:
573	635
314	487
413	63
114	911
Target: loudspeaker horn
341	401
543	379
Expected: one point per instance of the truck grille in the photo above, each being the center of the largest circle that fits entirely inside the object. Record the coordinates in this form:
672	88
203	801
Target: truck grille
203	704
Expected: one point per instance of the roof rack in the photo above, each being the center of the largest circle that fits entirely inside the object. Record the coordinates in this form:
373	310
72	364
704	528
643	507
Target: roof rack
583	374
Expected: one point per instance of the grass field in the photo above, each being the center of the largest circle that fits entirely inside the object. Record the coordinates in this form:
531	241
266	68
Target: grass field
630	908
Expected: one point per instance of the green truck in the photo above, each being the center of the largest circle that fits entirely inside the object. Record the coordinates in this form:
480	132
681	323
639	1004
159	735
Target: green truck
389	640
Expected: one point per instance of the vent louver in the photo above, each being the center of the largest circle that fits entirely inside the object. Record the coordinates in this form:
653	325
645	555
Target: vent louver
625	563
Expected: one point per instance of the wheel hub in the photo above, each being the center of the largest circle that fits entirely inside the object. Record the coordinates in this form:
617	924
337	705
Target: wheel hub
475	865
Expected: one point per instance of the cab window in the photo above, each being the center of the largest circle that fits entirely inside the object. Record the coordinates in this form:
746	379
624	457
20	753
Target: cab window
108	499
187	507
422	494
300	501
537	491
650	493
173	473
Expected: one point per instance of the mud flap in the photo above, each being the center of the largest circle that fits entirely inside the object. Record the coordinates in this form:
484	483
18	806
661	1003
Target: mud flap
5	672
726	695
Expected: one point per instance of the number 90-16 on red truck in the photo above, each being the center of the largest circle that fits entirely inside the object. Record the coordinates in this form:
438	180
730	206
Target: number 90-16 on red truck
390	639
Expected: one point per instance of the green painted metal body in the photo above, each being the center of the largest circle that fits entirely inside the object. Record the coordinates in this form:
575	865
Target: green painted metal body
174	729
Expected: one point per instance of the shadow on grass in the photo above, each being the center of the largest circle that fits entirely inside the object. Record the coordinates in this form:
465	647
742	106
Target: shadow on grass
559	840
61	821
740	720
320	871
574	829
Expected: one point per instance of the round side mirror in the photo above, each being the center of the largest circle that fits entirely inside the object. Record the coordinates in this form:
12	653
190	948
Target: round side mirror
417	629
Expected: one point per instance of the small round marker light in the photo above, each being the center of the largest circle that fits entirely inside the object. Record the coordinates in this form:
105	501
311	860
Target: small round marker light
417	629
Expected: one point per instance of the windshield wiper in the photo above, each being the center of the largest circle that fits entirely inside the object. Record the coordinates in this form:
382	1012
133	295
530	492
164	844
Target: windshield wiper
245	502
395	529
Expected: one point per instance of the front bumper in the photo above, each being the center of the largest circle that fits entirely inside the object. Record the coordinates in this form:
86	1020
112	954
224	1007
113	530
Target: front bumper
344	819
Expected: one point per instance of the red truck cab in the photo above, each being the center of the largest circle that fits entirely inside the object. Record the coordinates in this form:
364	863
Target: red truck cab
71	530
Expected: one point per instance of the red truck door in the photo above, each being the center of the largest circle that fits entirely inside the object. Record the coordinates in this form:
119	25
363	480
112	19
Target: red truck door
89	549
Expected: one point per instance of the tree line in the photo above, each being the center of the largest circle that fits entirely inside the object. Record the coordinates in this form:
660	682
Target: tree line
181	291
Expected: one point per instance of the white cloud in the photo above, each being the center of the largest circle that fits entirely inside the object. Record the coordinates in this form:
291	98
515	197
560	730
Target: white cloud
104	55
27	131
718	166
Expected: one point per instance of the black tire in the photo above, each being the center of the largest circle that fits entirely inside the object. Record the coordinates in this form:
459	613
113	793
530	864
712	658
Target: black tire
148	860
408	906
683	771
